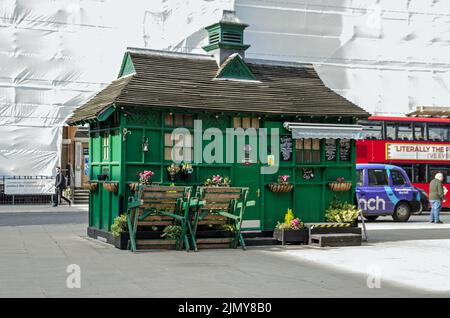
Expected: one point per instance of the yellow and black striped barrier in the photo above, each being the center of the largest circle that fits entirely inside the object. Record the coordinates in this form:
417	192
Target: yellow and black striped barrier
329	225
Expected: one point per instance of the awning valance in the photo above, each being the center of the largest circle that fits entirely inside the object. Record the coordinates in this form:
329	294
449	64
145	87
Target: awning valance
333	131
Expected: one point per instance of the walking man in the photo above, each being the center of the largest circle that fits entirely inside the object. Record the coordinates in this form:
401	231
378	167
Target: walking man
436	197
60	185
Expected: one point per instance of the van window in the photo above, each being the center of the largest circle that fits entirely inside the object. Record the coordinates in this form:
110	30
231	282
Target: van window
397	178
377	177
360	177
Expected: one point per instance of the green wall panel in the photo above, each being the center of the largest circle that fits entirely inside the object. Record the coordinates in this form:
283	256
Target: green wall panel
308	202
134	146
275	206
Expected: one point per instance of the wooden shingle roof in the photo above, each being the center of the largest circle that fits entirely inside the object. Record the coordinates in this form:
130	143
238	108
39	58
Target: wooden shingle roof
187	81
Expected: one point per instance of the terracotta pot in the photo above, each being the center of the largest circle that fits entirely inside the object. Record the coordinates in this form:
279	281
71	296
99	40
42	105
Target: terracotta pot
277	187
340	186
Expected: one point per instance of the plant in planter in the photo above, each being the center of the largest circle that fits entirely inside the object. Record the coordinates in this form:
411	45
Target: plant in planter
217	181
172	232
104	175
173	170
292	230
340	185
283	184
119	225
187	170
341	212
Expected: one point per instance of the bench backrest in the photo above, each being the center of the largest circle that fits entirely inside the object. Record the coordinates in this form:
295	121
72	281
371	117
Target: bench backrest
162	198
220	198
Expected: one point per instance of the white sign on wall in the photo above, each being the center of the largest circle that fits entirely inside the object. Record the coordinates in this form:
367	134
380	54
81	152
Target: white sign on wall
29	186
412	151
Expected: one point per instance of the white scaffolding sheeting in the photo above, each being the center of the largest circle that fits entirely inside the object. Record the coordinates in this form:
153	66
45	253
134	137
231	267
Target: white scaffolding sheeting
386	56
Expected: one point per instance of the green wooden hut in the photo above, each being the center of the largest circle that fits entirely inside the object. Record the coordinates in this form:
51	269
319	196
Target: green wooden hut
131	123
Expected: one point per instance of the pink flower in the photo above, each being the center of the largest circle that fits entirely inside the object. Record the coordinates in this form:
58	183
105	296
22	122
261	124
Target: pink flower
217	179
295	222
340	180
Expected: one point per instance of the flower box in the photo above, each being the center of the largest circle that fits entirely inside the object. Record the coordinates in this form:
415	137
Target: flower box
340	186
92	186
133	186
111	186
277	187
291	236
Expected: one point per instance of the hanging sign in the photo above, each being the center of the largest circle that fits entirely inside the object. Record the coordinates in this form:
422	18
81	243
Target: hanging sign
286	148
345	150
330	150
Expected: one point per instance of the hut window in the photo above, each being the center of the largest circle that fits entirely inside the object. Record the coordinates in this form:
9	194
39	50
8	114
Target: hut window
307	150
178	120
105	147
182	146
245	122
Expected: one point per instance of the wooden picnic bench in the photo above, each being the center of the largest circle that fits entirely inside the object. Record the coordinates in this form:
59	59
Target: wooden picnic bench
220	206
160	206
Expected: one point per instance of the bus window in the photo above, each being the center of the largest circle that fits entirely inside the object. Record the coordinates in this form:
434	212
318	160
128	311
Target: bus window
372	129
377	177
404	132
390	131
419	131
420	173
437	132
444	170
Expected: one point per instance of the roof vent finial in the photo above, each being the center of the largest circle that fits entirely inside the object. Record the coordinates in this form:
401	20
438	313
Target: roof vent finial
226	37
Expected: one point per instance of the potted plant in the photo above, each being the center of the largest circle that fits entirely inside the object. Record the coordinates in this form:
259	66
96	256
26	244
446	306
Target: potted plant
104	175
186	171
342	212
217	181
173	170
172	234
119	232
145	178
282	185
340	185
292	230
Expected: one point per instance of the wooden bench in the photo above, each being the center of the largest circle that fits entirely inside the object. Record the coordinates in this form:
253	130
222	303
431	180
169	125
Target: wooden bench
221	205
160	206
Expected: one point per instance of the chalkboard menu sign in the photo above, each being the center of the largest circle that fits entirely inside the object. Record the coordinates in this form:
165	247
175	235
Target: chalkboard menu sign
345	150
286	148
330	150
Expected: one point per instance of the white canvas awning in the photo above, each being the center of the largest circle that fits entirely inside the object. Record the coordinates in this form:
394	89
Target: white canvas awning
333	131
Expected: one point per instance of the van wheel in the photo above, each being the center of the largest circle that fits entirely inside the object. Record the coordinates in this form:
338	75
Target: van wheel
402	212
371	217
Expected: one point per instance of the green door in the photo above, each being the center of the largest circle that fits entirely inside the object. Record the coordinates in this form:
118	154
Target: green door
250	176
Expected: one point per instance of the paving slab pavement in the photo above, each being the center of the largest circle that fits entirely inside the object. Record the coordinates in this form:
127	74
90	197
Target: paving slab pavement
34	260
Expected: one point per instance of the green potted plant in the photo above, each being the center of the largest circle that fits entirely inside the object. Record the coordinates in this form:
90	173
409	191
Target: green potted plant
292	230
342	212
119	231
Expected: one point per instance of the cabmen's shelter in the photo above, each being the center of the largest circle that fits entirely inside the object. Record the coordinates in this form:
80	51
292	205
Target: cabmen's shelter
210	97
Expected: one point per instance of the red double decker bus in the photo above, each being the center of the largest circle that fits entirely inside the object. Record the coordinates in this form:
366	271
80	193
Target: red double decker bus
420	145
